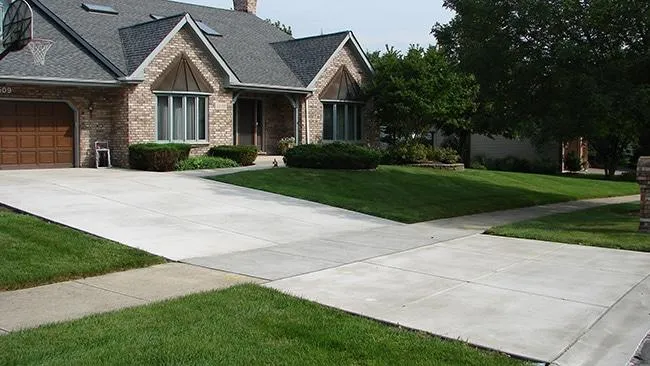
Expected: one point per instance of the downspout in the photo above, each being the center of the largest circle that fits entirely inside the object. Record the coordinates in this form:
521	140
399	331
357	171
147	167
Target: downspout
307	118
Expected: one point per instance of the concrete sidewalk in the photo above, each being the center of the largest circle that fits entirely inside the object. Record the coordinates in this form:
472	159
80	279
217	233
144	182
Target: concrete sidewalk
71	300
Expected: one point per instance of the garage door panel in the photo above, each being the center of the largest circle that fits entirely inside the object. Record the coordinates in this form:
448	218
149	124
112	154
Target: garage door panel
8	142
28	157
36	134
46	141
9	158
46	157
63	157
28	142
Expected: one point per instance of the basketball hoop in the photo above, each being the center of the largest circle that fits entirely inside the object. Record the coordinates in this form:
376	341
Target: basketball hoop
17	27
39	47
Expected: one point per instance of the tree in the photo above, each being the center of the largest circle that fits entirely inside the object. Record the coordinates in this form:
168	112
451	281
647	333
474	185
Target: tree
555	69
281	26
413	93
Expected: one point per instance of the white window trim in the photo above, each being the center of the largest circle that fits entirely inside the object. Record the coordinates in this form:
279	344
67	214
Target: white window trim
335	120
185	96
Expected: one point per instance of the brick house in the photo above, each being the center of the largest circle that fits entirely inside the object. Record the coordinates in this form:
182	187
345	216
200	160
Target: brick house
131	71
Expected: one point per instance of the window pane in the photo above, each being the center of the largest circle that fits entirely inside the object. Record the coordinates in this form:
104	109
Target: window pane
163	118
178	126
328	122
350	122
359	123
340	122
191	118
202	119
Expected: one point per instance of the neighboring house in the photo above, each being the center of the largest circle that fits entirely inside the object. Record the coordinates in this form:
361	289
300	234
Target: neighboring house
500	147
131	71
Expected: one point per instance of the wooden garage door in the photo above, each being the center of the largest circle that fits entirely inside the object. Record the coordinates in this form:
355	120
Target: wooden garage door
36	135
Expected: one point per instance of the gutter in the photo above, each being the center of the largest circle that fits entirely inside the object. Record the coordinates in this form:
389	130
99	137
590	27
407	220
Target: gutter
58	81
269	88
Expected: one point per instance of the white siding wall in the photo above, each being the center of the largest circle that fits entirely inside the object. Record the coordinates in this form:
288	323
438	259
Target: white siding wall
500	147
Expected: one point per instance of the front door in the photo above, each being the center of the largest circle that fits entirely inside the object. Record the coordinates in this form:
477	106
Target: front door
250	129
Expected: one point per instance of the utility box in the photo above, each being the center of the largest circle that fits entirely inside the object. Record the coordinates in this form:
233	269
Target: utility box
643	177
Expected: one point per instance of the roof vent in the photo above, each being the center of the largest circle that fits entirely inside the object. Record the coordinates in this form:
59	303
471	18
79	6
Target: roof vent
207	30
156	17
100	9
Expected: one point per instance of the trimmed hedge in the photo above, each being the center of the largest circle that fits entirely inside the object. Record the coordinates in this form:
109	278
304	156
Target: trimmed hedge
333	156
415	153
242	155
157	157
205	162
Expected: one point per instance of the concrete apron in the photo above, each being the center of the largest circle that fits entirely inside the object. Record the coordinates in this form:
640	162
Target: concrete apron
534	299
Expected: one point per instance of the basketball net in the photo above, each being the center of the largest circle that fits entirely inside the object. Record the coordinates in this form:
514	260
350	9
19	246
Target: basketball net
39	47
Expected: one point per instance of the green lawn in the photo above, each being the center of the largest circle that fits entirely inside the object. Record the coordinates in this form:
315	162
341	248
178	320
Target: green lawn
34	252
615	226
245	325
419	194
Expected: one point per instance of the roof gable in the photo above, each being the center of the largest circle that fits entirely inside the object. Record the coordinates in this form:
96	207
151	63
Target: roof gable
140	40
182	76
342	87
307	56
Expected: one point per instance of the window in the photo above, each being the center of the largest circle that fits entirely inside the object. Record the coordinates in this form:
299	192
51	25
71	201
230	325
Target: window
342	121
101	9
181	118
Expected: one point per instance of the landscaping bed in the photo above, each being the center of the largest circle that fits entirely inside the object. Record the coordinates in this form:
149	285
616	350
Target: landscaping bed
410	195
244	325
615	226
34	252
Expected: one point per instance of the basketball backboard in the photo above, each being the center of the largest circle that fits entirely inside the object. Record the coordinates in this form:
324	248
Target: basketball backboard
17	25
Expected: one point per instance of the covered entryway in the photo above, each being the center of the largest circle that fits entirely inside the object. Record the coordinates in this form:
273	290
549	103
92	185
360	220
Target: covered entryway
36	135
250	125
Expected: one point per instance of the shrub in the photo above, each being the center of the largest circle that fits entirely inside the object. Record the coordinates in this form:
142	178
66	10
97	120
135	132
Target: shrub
443	155
405	153
478	165
157	157
242	155
333	156
514	164
573	163
205	162
285	144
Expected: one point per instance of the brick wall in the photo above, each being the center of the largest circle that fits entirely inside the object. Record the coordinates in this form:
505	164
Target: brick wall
347	56
643	171
93	125
141	103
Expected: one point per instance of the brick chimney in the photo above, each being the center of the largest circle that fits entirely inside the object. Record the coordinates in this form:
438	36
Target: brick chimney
247	6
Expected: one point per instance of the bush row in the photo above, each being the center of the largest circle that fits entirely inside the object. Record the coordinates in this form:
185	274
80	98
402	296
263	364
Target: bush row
514	164
205	162
157	157
242	155
168	157
332	156
413	153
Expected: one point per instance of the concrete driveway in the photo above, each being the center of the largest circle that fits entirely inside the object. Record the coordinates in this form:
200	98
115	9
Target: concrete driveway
550	302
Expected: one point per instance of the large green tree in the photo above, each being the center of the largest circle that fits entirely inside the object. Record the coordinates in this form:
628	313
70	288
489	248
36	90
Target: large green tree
556	69
421	90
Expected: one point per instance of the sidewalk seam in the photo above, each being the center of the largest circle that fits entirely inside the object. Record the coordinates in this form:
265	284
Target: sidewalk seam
609	309
111	291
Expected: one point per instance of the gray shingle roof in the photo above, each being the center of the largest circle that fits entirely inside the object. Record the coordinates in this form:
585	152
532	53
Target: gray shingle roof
256	51
307	56
66	59
140	40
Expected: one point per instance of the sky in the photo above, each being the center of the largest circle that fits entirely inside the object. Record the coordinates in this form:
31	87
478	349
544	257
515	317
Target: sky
376	23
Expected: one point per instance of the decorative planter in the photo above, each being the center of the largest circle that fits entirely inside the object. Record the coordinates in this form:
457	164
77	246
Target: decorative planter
441	166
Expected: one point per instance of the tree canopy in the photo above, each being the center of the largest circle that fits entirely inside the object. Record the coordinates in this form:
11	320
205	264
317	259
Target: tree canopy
420	90
556	69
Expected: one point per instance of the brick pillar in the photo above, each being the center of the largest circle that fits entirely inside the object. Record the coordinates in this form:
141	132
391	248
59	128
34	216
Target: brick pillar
643	177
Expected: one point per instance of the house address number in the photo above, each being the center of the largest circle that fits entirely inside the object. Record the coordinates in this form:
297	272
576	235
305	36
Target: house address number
5	90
